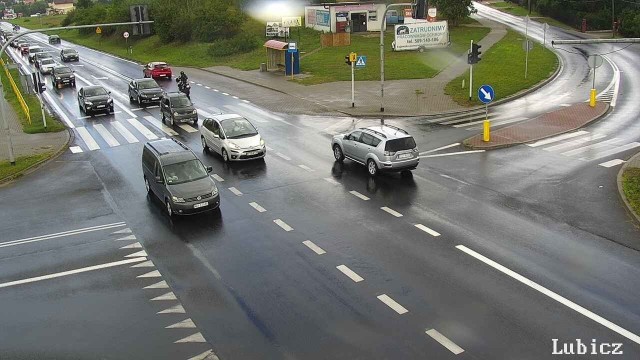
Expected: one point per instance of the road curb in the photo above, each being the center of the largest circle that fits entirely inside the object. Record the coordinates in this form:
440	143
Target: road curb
621	190
11	178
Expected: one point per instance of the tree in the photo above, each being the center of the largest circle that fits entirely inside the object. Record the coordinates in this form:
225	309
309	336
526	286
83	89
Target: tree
84	4
454	11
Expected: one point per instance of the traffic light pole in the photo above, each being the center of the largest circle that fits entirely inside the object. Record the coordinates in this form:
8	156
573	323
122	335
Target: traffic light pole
353	84
470	73
382	28
526	36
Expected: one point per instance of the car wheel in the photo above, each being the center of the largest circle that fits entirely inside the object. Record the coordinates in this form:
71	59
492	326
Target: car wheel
225	156
205	147
164	119
130	98
195	123
171	121
81	109
372	167
169	210
337	153
146	186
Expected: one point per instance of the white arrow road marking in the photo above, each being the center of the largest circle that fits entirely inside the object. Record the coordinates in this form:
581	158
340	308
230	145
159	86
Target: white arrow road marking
70	272
159	285
167	296
195	338
178	309
184	324
152	274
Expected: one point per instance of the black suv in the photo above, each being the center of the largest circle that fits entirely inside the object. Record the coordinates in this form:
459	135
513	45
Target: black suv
95	98
54	39
178	178
177	108
62	75
144	91
69	55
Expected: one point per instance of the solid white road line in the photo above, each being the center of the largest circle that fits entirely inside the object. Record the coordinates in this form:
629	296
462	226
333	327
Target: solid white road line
153	107
158	124
257	207
391	211
440	148
444	341
235	191
557	138
314	247
187	128
159	285
184	324
576	142
75	149
61	234
283	156
178	309
71	272
283	225
305	167
453	153
100	78
392	304
612	163
427	230
600	320
331	181
217	177
358	195
59	110
142	129
87	138
195	338
164	297
126	134
106	135
619	149
350	273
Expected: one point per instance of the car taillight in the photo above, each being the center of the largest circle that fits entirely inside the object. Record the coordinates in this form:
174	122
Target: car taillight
389	153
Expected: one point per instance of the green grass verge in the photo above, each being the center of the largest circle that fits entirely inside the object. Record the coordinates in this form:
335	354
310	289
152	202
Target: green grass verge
327	64
22	163
502	67
631	187
517	10
36	125
43	22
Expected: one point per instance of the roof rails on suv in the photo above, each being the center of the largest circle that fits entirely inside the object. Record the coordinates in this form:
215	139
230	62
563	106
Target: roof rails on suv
396	128
375	132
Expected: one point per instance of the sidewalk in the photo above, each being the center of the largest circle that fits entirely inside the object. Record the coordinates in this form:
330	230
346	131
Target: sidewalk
27	144
400	97
544	126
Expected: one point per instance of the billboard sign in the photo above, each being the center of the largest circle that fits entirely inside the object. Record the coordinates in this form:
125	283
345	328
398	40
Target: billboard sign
322	18
275	29
423	35
291	21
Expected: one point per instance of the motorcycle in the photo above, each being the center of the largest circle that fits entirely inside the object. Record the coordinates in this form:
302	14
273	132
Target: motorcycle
184	87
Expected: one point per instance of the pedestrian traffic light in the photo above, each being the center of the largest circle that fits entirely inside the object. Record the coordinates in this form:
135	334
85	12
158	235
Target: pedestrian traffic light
475	53
347	60
42	87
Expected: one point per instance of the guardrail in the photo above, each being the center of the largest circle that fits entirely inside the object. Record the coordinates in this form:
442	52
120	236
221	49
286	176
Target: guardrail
17	91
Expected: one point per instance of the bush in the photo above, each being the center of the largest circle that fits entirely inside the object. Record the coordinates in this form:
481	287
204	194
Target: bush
242	43
630	23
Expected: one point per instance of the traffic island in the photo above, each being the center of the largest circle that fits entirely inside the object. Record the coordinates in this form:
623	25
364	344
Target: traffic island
629	185
544	126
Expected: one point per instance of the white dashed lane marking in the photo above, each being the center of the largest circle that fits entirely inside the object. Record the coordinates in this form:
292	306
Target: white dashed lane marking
444	341
331	181
235	191
305	167
358	195
257	207
217	177
283	225
391	211
392	304
350	273
427	230
317	249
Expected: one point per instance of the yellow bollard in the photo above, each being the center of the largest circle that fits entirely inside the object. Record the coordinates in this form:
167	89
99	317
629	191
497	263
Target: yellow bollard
486	136
592	98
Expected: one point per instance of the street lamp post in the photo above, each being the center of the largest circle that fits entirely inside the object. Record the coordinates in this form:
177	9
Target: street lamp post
382	28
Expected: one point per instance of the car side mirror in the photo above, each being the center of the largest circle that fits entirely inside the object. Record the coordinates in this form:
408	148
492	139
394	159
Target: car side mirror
209	169
109	92
216	135
222	136
346	137
159	180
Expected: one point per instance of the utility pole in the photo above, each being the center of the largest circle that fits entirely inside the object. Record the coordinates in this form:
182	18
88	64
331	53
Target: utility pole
470	72
613	18
382	28
529	7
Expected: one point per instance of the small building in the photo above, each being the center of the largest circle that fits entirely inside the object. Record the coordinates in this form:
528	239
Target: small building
60	7
335	17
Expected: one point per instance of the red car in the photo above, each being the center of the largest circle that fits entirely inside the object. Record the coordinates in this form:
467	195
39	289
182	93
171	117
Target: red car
157	70
24	48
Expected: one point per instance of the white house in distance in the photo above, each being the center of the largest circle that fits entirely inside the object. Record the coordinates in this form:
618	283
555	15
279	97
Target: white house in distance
334	17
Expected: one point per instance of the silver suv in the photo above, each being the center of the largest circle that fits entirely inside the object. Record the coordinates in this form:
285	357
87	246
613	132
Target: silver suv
380	148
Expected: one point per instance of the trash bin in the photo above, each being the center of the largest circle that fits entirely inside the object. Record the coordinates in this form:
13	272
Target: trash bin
263	67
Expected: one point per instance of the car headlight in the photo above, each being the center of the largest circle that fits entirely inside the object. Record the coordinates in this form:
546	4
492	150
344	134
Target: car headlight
72	76
177	199
57	77
109	101
415	149
88	103
261	142
233	145
195	111
215	191
175	113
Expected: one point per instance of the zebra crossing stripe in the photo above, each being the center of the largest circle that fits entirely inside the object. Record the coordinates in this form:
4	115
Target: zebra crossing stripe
187	128
569	144
75	149
613	151
611	163
124	132
592	147
557	138
157	123
106	135
142	129
87	138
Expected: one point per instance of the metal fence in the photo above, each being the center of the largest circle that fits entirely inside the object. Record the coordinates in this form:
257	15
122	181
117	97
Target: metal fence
17	91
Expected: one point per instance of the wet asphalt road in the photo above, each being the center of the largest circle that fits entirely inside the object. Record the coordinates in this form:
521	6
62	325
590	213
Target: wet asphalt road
254	290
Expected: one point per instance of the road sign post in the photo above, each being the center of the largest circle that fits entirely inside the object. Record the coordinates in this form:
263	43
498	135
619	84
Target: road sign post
595	61
486	95
353	58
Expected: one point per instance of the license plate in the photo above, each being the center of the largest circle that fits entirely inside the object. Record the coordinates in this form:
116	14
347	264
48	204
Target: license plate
162	75
100	106
196	206
155	98
252	152
65	81
404	156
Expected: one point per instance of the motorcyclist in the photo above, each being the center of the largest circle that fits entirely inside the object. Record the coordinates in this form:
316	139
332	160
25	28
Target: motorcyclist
183	78
183	84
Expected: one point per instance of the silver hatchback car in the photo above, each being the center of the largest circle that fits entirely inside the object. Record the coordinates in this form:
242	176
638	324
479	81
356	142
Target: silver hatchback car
382	148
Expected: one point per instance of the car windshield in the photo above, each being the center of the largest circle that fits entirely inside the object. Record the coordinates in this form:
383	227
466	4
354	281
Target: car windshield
47	61
160	66
63	70
400	144
69	51
237	128
148	84
184	172
95	91
36	50
180	102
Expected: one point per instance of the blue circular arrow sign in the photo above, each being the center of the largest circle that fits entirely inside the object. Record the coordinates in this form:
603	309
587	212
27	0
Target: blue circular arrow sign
486	94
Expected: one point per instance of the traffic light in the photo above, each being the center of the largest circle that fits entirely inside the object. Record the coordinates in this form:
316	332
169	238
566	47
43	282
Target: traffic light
347	60
38	86
42	87
474	55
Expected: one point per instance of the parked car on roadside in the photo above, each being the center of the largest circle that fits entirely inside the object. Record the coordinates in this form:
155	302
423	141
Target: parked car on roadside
92	99
62	75
382	148
176	107
157	70
69	55
174	174
145	91
233	137
54	39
